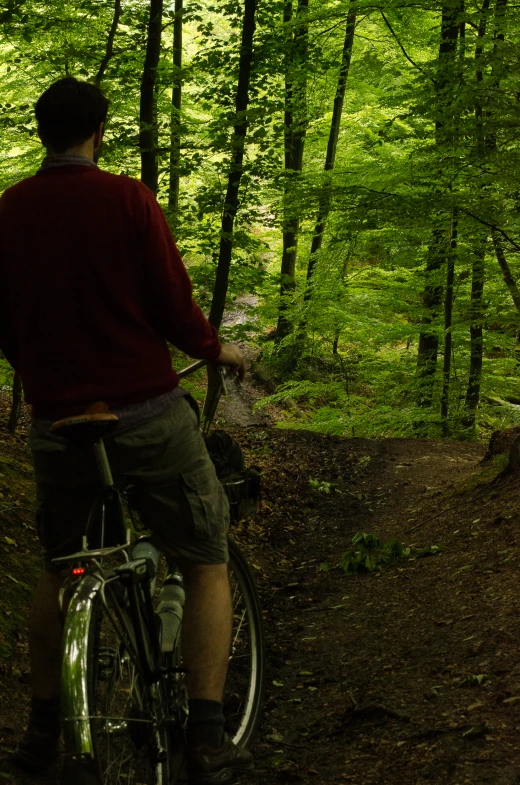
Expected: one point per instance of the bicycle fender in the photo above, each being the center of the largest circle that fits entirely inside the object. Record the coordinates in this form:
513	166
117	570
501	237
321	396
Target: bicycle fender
76	721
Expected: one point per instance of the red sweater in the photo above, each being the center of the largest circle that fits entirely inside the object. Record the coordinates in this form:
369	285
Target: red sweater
91	288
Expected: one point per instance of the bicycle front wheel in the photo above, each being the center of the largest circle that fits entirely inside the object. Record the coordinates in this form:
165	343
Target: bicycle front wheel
115	724
243	694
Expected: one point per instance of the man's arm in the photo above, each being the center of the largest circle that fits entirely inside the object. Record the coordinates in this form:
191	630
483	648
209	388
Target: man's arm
172	310
168	291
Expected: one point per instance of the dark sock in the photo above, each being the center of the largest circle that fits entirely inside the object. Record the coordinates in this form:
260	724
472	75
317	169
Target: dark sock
205	724
46	715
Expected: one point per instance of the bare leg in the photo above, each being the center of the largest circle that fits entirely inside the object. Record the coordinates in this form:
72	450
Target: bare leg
206	629
45	632
206	632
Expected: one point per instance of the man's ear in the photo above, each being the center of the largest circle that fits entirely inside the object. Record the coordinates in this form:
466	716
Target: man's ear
98	135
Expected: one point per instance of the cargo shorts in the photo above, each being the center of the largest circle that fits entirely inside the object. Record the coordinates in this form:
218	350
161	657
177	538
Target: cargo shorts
164	459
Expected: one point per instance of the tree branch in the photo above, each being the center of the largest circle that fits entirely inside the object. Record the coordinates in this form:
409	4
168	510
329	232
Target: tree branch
494	227
403	50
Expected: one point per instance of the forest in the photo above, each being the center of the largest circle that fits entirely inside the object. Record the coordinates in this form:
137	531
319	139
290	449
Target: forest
341	179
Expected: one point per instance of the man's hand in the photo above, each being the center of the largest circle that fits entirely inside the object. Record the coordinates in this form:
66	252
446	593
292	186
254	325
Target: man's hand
232	356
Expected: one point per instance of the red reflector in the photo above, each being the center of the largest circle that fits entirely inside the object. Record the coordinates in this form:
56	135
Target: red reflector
78	570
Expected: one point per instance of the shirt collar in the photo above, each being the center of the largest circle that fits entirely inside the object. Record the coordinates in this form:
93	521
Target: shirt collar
65	159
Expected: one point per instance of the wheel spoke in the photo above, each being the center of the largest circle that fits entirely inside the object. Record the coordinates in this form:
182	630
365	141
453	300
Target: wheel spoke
127	730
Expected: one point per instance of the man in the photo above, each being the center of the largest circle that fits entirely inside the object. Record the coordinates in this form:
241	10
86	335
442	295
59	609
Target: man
91	289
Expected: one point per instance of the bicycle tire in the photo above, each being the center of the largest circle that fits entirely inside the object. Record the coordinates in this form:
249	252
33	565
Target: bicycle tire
115	724
244	690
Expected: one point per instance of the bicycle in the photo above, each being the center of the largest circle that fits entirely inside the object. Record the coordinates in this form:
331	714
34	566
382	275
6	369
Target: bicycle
123	695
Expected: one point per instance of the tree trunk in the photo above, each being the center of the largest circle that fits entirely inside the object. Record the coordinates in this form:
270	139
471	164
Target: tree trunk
16	404
428	337
448	320
147	106
479	76
509	280
294	140
514	458
497	67
476	334
330	158
491	144
175	152
479	253
235	172
324	206
109	51
445	86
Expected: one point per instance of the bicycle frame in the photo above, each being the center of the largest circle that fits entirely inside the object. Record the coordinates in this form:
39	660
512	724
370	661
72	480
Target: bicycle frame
91	581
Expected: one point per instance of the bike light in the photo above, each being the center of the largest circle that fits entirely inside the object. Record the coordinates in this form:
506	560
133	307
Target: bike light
78	571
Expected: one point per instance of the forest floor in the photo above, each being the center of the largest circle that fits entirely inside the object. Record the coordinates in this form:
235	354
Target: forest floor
407	676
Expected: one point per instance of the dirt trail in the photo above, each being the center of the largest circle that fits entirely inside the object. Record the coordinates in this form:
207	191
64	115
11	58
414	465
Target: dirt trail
409	675
404	677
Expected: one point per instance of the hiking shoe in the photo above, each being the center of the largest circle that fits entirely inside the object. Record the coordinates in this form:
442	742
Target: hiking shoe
209	766
36	752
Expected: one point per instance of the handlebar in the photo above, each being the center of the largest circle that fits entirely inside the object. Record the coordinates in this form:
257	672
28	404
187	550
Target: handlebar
213	393
191	368
221	370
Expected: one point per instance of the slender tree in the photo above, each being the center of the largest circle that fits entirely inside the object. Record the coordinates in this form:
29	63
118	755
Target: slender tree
330	159
448	319
479	249
476	333
445	88
175	152
236	168
147	105
294	140
332	145
109	50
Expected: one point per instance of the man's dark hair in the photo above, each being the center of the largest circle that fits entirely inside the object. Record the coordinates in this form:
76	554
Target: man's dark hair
69	112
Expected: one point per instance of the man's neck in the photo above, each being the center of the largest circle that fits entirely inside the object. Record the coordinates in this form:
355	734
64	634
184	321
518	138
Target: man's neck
52	161
83	151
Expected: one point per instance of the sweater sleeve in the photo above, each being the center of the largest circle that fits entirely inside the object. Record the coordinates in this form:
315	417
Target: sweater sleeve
172	310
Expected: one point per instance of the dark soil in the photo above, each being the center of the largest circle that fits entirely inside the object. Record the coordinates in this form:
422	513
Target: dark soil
407	676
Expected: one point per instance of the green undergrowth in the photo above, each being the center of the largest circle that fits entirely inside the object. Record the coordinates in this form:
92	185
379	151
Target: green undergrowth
370	554
376	397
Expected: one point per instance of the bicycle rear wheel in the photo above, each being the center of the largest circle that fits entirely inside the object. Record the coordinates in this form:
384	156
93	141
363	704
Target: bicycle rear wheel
243	694
124	738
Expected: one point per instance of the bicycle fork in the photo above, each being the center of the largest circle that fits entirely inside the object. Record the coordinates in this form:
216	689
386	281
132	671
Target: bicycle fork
76	668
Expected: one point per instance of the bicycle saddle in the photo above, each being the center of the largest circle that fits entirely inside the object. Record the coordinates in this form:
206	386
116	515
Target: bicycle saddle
84	430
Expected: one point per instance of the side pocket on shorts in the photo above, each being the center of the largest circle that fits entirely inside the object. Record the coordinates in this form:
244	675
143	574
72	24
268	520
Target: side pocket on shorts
206	499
